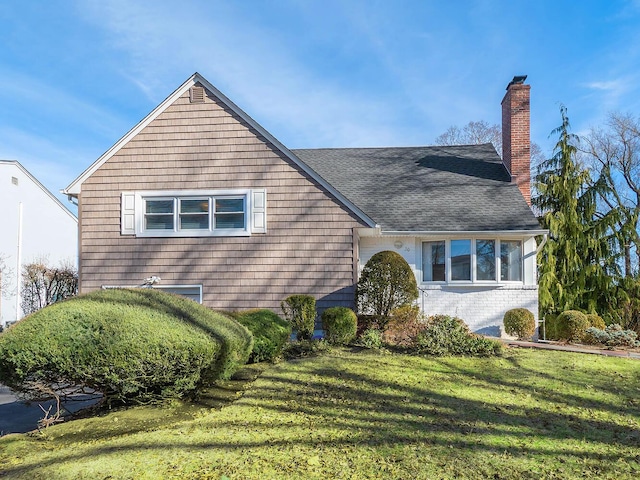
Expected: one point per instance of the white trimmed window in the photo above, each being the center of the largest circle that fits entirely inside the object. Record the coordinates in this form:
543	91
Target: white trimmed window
472	260
195	213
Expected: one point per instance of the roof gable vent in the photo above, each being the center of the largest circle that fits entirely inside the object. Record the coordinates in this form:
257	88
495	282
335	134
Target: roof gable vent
14	180
196	94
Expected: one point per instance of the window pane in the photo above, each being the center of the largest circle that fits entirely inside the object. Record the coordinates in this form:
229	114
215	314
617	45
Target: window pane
229	220
460	259
194	222
433	262
227	205
158	222
511	260
485	260
194	206
159	206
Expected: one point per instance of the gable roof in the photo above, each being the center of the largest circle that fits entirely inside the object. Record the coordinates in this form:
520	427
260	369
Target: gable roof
36	182
427	189
74	187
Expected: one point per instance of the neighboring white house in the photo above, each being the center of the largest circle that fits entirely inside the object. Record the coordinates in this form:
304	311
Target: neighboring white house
34	225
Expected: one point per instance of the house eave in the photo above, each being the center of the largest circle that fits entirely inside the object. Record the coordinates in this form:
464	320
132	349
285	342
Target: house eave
377	232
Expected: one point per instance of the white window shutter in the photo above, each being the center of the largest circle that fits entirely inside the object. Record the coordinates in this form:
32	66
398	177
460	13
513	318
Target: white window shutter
128	220
259	211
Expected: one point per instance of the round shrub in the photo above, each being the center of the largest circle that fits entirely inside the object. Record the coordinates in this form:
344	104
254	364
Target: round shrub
270	333
386	283
596	321
300	312
126	344
520	322
339	324
571	325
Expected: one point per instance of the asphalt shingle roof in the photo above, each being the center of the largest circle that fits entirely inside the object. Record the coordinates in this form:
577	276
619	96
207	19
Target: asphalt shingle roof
455	188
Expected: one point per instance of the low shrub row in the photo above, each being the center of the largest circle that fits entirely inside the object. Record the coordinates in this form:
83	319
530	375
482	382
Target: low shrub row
270	333
572	325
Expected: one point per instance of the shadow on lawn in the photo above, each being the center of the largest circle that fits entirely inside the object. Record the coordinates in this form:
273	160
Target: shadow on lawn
373	410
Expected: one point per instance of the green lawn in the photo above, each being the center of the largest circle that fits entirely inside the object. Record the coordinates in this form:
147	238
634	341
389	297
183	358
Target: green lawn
528	414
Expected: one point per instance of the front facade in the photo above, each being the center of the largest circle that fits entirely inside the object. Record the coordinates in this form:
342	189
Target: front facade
203	198
35	227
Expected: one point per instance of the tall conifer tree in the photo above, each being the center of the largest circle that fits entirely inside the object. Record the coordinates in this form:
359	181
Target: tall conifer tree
577	260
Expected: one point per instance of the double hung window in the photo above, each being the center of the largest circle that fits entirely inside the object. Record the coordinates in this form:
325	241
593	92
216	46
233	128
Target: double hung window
198	214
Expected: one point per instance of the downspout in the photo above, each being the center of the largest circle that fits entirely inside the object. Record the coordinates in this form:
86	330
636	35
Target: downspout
545	237
18	262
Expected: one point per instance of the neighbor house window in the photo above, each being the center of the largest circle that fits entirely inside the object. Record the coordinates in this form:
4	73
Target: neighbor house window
472	260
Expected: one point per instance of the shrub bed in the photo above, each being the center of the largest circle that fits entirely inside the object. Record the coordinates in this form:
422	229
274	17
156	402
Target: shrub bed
339	325
403	327
270	333
612	336
447	335
126	344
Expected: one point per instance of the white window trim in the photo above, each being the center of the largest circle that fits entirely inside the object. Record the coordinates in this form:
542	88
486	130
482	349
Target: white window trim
141	196
473	280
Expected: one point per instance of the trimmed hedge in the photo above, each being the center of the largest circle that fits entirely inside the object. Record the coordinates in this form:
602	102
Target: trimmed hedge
571	325
520	322
339	324
125	343
300	312
596	321
447	335
270	333
385	284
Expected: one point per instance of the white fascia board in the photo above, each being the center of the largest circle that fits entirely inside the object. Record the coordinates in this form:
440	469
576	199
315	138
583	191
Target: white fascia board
369	232
42	187
74	188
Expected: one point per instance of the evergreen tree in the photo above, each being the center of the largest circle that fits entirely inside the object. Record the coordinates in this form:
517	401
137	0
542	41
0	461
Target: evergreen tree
577	262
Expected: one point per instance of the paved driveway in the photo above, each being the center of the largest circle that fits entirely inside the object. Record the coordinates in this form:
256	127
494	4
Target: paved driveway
17	416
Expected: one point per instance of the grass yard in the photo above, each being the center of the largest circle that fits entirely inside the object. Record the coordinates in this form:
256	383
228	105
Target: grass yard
529	414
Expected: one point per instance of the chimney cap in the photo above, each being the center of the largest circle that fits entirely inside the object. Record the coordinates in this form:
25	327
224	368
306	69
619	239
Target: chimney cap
517	80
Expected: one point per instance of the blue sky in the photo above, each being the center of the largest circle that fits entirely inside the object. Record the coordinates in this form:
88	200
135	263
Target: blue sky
77	75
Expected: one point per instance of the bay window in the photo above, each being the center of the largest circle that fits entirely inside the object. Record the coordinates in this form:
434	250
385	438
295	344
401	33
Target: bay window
471	260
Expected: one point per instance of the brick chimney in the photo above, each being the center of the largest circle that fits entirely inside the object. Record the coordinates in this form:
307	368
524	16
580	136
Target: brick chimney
516	137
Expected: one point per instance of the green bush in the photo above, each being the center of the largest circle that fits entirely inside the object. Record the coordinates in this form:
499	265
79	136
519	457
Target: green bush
371	338
270	333
571	325
447	335
339	324
300	312
520	322
372	322
550	326
404	326
386	283
612	336
127	344
305	348
596	321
